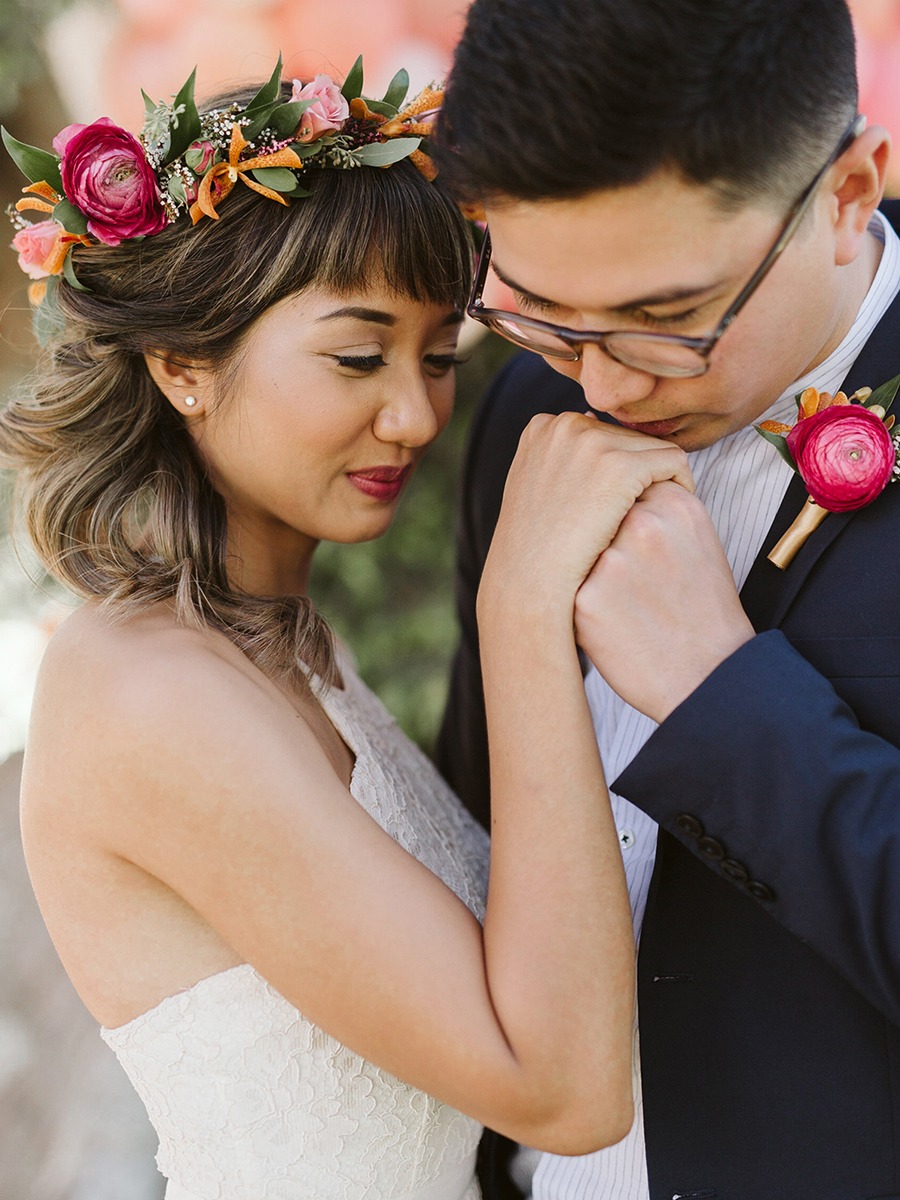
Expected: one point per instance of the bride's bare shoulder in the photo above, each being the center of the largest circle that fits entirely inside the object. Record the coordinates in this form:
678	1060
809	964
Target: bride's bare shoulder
106	683
101	655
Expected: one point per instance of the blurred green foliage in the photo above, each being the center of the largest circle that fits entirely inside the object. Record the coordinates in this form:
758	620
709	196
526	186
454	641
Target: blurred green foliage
392	599
21	56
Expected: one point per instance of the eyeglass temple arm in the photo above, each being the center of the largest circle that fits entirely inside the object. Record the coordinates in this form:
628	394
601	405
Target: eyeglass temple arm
853	131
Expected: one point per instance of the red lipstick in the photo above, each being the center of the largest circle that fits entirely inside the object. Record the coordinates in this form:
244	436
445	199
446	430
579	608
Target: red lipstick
381	483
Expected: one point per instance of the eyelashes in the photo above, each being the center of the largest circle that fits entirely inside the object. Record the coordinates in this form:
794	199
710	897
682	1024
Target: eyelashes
360	362
367	363
682	318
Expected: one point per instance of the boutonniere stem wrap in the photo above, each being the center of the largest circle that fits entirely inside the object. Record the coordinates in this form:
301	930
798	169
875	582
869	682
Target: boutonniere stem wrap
844	450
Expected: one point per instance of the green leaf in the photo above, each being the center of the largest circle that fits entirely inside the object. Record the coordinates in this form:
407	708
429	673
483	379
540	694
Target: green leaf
263	104
185	126
71	218
259	119
779	441
379	106
71	278
149	105
353	84
397	89
284	120
175	188
270	92
885	394
382	154
47	319
309	149
38	166
279	179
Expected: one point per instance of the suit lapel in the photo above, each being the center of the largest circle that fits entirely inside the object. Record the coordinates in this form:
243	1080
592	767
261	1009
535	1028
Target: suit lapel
768	592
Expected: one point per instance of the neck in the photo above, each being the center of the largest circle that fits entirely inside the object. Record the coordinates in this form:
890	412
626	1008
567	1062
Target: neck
853	283
277	564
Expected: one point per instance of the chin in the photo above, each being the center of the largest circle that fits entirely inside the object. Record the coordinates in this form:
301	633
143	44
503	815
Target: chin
361	532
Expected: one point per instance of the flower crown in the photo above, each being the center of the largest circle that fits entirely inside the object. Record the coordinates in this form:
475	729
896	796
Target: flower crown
102	184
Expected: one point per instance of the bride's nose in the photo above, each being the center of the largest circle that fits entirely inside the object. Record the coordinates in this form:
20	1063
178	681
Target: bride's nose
407	415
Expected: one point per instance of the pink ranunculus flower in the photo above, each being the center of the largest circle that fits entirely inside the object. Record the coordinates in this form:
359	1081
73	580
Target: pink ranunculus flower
845	455
105	173
329	112
34	244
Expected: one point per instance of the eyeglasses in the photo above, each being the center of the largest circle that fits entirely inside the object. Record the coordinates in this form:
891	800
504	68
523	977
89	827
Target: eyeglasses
666	354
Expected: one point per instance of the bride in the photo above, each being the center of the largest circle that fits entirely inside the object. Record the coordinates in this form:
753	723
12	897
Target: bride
261	890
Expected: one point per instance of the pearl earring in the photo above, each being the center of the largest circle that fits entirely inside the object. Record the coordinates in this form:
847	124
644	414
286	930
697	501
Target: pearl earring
190	401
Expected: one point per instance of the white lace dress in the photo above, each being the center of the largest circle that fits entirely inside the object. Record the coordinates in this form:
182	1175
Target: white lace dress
250	1100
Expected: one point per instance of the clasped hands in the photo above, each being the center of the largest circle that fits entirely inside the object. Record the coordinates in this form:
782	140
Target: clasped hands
600	525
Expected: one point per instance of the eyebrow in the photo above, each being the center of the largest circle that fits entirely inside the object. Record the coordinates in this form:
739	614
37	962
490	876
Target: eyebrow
671	296
376	316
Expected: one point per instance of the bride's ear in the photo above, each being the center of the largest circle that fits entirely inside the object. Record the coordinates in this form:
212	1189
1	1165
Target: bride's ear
185	385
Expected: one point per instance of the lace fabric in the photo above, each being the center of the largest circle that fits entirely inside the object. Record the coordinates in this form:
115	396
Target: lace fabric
250	1100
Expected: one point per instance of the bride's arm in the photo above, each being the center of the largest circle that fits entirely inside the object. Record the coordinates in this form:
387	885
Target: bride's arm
558	933
188	769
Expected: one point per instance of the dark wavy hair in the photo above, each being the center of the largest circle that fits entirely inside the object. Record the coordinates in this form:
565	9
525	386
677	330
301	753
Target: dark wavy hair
114	495
552	101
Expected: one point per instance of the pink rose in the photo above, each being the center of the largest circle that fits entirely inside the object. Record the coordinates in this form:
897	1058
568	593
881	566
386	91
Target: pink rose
845	455
105	173
329	111
34	244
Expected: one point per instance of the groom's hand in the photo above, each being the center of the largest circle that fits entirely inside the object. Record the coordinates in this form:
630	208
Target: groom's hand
660	610
572	483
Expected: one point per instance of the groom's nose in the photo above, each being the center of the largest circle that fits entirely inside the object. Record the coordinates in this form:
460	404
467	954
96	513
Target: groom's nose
610	386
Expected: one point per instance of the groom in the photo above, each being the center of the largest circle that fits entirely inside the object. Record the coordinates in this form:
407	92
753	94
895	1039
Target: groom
695	171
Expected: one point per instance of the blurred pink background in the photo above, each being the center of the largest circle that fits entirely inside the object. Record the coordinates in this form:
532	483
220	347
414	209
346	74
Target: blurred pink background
155	44
103	53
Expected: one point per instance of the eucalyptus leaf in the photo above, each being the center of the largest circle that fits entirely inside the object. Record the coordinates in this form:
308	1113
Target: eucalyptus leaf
779	441
885	394
397	89
47	319
285	118
71	218
185	126
308	149
382	154
71	277
38	166
279	179
175	189
353	84
382	107
149	105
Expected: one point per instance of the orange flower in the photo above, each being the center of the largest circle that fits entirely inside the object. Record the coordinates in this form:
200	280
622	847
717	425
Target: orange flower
223	176
417	118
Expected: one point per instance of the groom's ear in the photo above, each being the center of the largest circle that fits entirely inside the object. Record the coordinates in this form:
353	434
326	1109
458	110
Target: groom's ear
857	186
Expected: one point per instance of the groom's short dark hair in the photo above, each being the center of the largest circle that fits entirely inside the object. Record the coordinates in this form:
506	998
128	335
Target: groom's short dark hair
552	99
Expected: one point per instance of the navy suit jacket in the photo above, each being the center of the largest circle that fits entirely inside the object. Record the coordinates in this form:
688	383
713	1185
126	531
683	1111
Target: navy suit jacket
769	965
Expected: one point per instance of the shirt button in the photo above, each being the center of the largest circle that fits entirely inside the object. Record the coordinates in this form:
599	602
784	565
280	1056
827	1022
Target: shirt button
626	838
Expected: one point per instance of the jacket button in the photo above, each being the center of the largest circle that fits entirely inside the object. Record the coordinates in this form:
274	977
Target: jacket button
735	870
711	847
688	824
760	890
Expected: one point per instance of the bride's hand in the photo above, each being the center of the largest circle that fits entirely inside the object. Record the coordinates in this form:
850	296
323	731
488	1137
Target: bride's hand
573	481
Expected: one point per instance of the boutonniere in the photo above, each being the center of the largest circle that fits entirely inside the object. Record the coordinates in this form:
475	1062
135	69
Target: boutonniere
845	451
